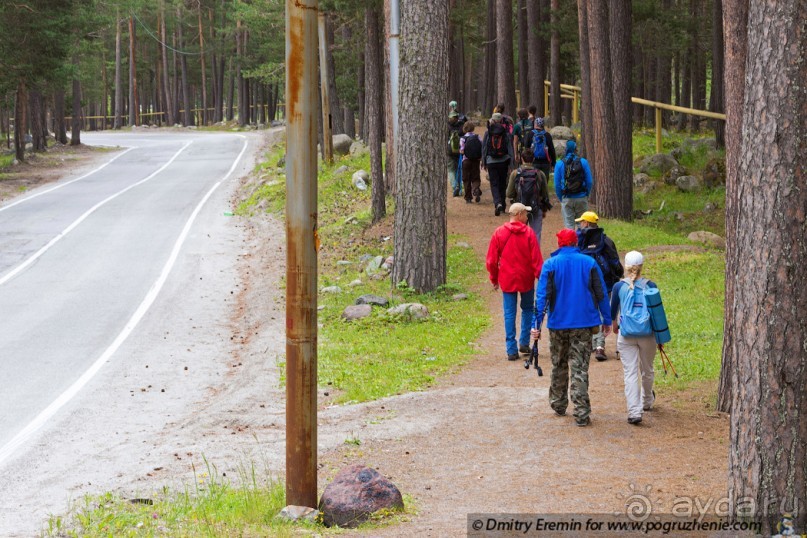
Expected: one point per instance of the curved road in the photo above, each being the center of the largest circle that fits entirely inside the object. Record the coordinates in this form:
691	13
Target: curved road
83	260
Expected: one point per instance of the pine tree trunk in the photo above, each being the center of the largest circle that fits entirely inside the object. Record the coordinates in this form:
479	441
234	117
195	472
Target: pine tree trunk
337	121
59	129
543	53
187	116
420	214
118	81
132	78
768	439
386	99
170	114
37	113
718	94
20	120
619	203
505	76
347	110
205	116
554	66
489	89
361	96
588	150
735	30
663	73
75	134
374	75
523	64
534	61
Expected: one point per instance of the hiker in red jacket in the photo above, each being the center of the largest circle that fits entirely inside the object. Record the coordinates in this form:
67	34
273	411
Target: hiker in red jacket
514	263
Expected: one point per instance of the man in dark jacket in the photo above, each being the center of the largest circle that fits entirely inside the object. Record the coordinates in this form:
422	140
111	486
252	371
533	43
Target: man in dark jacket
514	262
572	290
546	162
592	241
497	157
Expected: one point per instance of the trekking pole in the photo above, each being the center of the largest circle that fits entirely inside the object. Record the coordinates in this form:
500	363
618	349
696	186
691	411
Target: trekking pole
664	357
533	360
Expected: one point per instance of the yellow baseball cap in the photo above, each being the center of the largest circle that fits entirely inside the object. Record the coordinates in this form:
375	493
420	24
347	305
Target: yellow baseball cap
588	216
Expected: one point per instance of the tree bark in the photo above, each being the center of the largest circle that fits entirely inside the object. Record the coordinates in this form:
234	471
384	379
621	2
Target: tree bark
768	439
118	123
588	150
204	115
554	66
523	63
59	129
37	114
489	88
420	214
543	52
170	113
389	125
132	78
456	64
187	116
505	72
373	77
20	120
619	202
663	72
718	94
735	30
534	61
361	97
75	134
337	121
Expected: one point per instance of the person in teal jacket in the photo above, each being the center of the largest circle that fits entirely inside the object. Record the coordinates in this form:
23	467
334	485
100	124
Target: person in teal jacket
573	191
572	290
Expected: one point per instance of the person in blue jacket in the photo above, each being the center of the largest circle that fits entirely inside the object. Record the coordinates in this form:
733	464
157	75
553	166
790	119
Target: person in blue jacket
572	289
573	184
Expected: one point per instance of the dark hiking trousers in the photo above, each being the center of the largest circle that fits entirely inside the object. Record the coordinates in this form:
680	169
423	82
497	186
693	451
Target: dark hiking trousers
471	178
497	174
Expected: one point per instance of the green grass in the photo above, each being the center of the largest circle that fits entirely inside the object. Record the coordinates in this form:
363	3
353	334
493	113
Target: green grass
6	160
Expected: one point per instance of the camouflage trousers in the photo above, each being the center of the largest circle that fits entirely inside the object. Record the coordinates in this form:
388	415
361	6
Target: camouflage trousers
570	350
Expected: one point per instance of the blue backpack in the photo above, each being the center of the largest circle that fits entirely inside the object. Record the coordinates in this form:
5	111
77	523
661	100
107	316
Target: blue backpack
539	149
634	319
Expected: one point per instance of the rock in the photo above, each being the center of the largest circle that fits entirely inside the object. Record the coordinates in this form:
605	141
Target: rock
679	216
355	493
331	289
342	263
560	147
709	207
648	187
462	244
459	297
372	300
657	165
562	133
671	175
714	173
341	170
351	220
341	144
689	183
356	311
374	265
707	238
365	257
282	162
358	148
360	180
275	123
15	162
355	283
296	513
410	310
640	179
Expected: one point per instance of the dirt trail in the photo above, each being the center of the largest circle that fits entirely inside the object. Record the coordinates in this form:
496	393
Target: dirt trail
486	440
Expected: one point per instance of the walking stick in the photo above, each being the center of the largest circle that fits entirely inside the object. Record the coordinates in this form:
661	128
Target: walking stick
533	360
665	357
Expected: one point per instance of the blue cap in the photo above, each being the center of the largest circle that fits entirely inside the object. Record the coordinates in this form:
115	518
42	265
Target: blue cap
571	147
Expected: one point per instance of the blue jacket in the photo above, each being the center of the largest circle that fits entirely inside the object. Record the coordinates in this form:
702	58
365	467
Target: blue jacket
572	290
560	179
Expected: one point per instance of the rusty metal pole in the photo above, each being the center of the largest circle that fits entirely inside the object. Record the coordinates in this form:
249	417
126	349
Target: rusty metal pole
658	130
301	252
327	135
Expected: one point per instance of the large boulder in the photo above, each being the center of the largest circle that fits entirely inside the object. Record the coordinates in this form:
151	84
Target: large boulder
657	165
356	311
355	494
360	179
671	175
341	144
409	311
562	133
714	173
560	148
358	148
707	238
689	183
370	299
374	266
640	180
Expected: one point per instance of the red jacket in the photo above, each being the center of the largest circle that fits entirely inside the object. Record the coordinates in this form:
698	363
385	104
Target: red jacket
514	260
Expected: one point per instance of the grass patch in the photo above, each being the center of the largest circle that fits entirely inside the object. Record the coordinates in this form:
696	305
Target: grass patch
6	160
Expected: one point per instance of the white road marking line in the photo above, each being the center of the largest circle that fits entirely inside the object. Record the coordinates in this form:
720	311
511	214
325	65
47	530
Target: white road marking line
27	198
14	272
141	311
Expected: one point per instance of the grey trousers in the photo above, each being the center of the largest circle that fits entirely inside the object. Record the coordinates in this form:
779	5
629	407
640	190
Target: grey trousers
572	208
637	356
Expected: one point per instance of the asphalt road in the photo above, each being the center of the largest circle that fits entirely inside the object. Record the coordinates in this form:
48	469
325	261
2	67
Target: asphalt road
83	260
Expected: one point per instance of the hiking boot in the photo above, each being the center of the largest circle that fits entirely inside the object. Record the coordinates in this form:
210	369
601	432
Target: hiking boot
499	210
476	199
512	357
634	420
649	407
600	355
524	349
583	422
456	193
560	412
467	201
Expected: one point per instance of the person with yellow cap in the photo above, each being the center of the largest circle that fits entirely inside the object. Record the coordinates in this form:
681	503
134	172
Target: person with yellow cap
592	241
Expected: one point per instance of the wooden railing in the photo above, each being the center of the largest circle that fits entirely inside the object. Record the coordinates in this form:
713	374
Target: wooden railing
573	92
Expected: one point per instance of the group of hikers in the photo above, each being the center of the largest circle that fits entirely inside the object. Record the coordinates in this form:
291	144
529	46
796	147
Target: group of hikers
583	289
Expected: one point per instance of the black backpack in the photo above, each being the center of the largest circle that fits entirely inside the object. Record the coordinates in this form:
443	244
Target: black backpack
497	140
527	187
574	176
592	243
473	147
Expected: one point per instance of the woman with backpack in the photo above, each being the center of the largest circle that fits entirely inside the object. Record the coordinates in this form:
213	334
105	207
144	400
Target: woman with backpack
497	154
471	151
635	342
